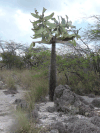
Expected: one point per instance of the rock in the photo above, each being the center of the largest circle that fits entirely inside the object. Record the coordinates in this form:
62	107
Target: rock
54	131
91	114
82	126
91	95
59	126
72	119
58	91
68	102
35	113
21	103
91	106
96	121
84	109
67	87
96	102
83	101
51	109
17	101
63	97
10	92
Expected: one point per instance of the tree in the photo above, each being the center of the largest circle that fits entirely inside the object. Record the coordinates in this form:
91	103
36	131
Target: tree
93	31
35	57
43	28
9	54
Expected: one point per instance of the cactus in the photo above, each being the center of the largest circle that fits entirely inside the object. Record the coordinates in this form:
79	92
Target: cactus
45	29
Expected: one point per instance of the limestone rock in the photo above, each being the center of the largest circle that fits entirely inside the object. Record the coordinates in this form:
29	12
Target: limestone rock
68	102
96	121
59	126
54	131
91	95
82	126
51	109
96	102
21	103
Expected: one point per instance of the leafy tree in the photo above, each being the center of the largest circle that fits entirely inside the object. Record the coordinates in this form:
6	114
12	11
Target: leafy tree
36	57
9	54
45	29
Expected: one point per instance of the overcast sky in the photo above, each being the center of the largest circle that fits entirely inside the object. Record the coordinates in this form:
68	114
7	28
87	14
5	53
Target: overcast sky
15	15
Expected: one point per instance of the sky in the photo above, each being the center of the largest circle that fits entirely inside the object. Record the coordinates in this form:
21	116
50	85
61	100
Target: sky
15	16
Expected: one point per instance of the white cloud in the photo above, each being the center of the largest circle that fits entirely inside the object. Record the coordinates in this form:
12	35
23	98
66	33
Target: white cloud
2	13
77	10
23	22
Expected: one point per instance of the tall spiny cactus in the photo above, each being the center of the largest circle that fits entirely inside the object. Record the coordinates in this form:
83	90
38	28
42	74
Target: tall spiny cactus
45	29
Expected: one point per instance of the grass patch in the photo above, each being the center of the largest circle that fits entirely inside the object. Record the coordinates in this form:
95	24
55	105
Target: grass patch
38	90
7	78
25	125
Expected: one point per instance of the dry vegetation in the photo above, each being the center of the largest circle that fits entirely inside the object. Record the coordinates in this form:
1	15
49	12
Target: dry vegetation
34	81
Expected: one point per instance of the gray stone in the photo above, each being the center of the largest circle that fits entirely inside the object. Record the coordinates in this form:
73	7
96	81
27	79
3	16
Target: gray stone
63	96
84	109
72	119
70	103
91	106
82	126
21	104
54	131
83	101
10	92
67	87
51	109
96	120
35	113
96	102
59	91
59	126
17	101
91	114
91	95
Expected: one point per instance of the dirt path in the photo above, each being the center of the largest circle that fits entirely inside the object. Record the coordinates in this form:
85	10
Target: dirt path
7	116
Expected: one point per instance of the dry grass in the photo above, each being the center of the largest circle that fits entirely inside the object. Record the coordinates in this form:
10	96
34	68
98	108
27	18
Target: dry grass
34	81
23	124
7	77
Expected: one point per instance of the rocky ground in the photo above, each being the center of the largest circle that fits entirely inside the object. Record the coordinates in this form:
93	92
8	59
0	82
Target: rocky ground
47	114
55	121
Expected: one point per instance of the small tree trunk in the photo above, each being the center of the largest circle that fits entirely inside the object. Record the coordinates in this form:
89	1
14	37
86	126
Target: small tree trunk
52	74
